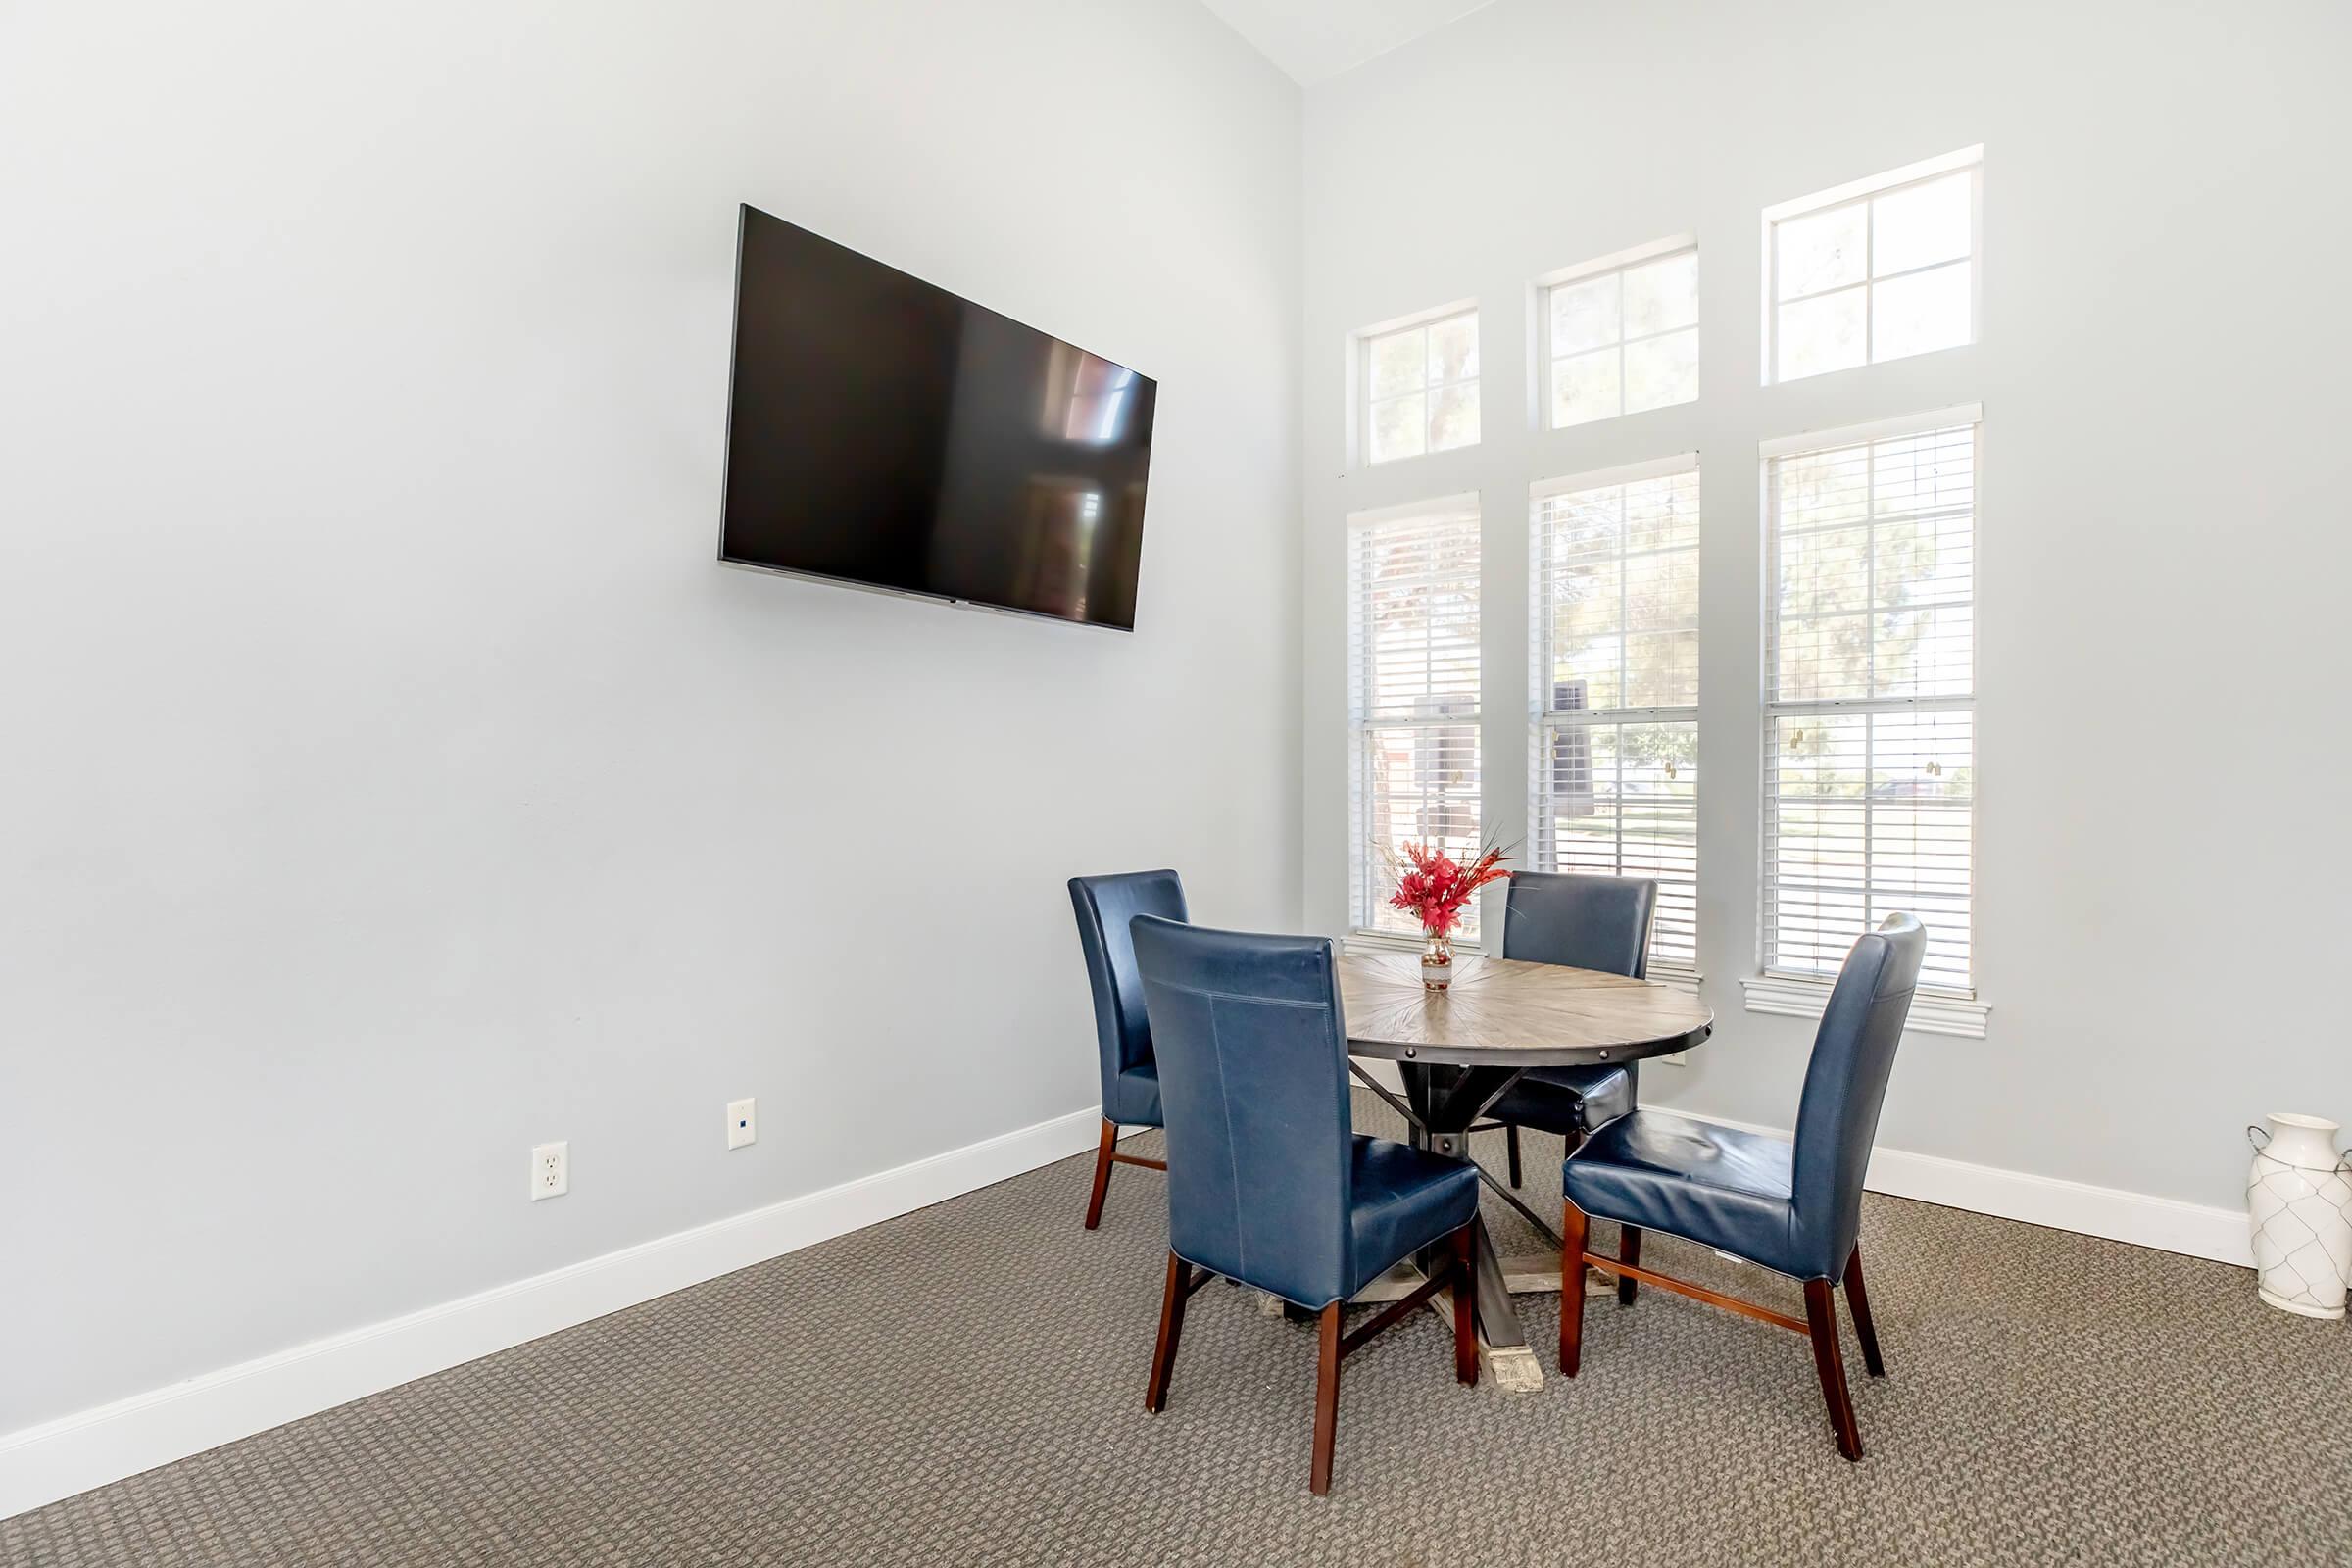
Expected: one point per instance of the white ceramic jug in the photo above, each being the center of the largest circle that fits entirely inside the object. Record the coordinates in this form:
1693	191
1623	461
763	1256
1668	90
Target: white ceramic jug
2299	1204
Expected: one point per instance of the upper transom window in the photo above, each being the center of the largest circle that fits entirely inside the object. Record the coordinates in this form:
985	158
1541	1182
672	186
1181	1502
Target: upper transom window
1622	337
1880	270
1420	386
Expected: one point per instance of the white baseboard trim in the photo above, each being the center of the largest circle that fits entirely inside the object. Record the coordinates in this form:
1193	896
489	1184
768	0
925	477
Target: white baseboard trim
2165	1223
41	1464
58	1458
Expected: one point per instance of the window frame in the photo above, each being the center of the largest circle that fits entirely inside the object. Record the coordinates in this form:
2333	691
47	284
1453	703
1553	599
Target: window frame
1860	192
1361	348
1803	992
1617	262
1363	918
1544	719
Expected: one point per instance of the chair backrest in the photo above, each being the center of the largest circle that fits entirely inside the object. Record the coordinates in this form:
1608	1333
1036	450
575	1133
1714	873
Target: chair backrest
1846	1083
1254	1089
1587	922
1105	906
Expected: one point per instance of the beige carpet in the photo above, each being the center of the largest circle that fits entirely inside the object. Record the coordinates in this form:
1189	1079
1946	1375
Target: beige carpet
965	1385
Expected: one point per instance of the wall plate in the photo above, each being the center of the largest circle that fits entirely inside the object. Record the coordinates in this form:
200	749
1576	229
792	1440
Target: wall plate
551	1170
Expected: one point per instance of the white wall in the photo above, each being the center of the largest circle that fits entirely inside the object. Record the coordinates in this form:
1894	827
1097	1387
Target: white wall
2167	329
392	779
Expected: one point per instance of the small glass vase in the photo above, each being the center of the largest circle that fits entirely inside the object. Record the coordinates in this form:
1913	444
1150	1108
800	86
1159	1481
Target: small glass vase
1437	960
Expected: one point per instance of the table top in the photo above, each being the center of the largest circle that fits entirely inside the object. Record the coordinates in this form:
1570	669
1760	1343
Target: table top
1507	1012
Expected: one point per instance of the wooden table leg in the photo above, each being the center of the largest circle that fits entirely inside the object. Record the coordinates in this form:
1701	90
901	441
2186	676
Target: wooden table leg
1503	1343
1510	1359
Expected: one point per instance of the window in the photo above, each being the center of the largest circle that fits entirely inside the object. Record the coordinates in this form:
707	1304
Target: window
1873	271
1420	387
1870	674
1622	339
1414	694
1615	685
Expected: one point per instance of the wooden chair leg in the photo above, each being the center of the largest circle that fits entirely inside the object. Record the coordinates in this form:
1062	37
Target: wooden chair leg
1510	1139
1628	1253
1327	1399
1821	1323
1465	1303
1573	1226
1857	1302
1171	1328
1103	1153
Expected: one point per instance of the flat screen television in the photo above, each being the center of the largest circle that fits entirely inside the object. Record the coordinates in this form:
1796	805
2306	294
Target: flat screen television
885	432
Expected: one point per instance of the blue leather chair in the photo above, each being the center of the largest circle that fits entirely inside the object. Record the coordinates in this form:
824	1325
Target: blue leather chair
1795	1208
1267	1183
1587	922
1122	1031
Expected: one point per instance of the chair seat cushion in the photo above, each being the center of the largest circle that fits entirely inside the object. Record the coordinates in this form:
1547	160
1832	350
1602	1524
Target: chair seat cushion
1566	1099
1716	1185
1134	1100
1404	1200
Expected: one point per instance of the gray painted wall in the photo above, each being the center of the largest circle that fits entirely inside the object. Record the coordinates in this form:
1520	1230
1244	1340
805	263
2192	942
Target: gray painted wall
393	781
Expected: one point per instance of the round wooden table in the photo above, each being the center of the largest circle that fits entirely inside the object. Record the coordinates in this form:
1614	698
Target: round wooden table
1458	1050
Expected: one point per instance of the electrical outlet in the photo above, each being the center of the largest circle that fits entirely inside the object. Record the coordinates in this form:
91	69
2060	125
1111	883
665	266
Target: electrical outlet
1676	1058
743	1122
551	1170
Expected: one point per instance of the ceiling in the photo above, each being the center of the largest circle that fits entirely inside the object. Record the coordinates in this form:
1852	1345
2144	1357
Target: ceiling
1316	39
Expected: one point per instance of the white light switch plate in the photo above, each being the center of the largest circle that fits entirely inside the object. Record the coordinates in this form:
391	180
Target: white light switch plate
743	1122
551	1170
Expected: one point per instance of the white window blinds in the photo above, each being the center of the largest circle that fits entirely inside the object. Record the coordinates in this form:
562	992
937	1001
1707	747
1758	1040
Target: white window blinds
1414	694
1870	694
1615	685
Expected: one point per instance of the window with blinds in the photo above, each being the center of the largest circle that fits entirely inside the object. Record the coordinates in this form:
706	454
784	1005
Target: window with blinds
1870	693
1614	644
1414	694
1419	387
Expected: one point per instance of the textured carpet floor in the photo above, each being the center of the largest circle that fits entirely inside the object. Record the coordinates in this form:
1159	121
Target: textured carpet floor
964	1386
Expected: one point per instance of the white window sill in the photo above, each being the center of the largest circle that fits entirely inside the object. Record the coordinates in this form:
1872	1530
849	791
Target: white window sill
1678	975
1934	1012
1399	941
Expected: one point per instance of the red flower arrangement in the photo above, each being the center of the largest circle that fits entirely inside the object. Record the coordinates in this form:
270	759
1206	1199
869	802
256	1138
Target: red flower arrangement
1437	887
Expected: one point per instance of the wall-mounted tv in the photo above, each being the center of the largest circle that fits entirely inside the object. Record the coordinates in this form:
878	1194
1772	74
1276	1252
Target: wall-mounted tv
883	432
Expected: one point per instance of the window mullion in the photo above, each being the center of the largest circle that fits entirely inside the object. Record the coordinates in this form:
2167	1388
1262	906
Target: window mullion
1547	601
1870	822
1869	282
1869	562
